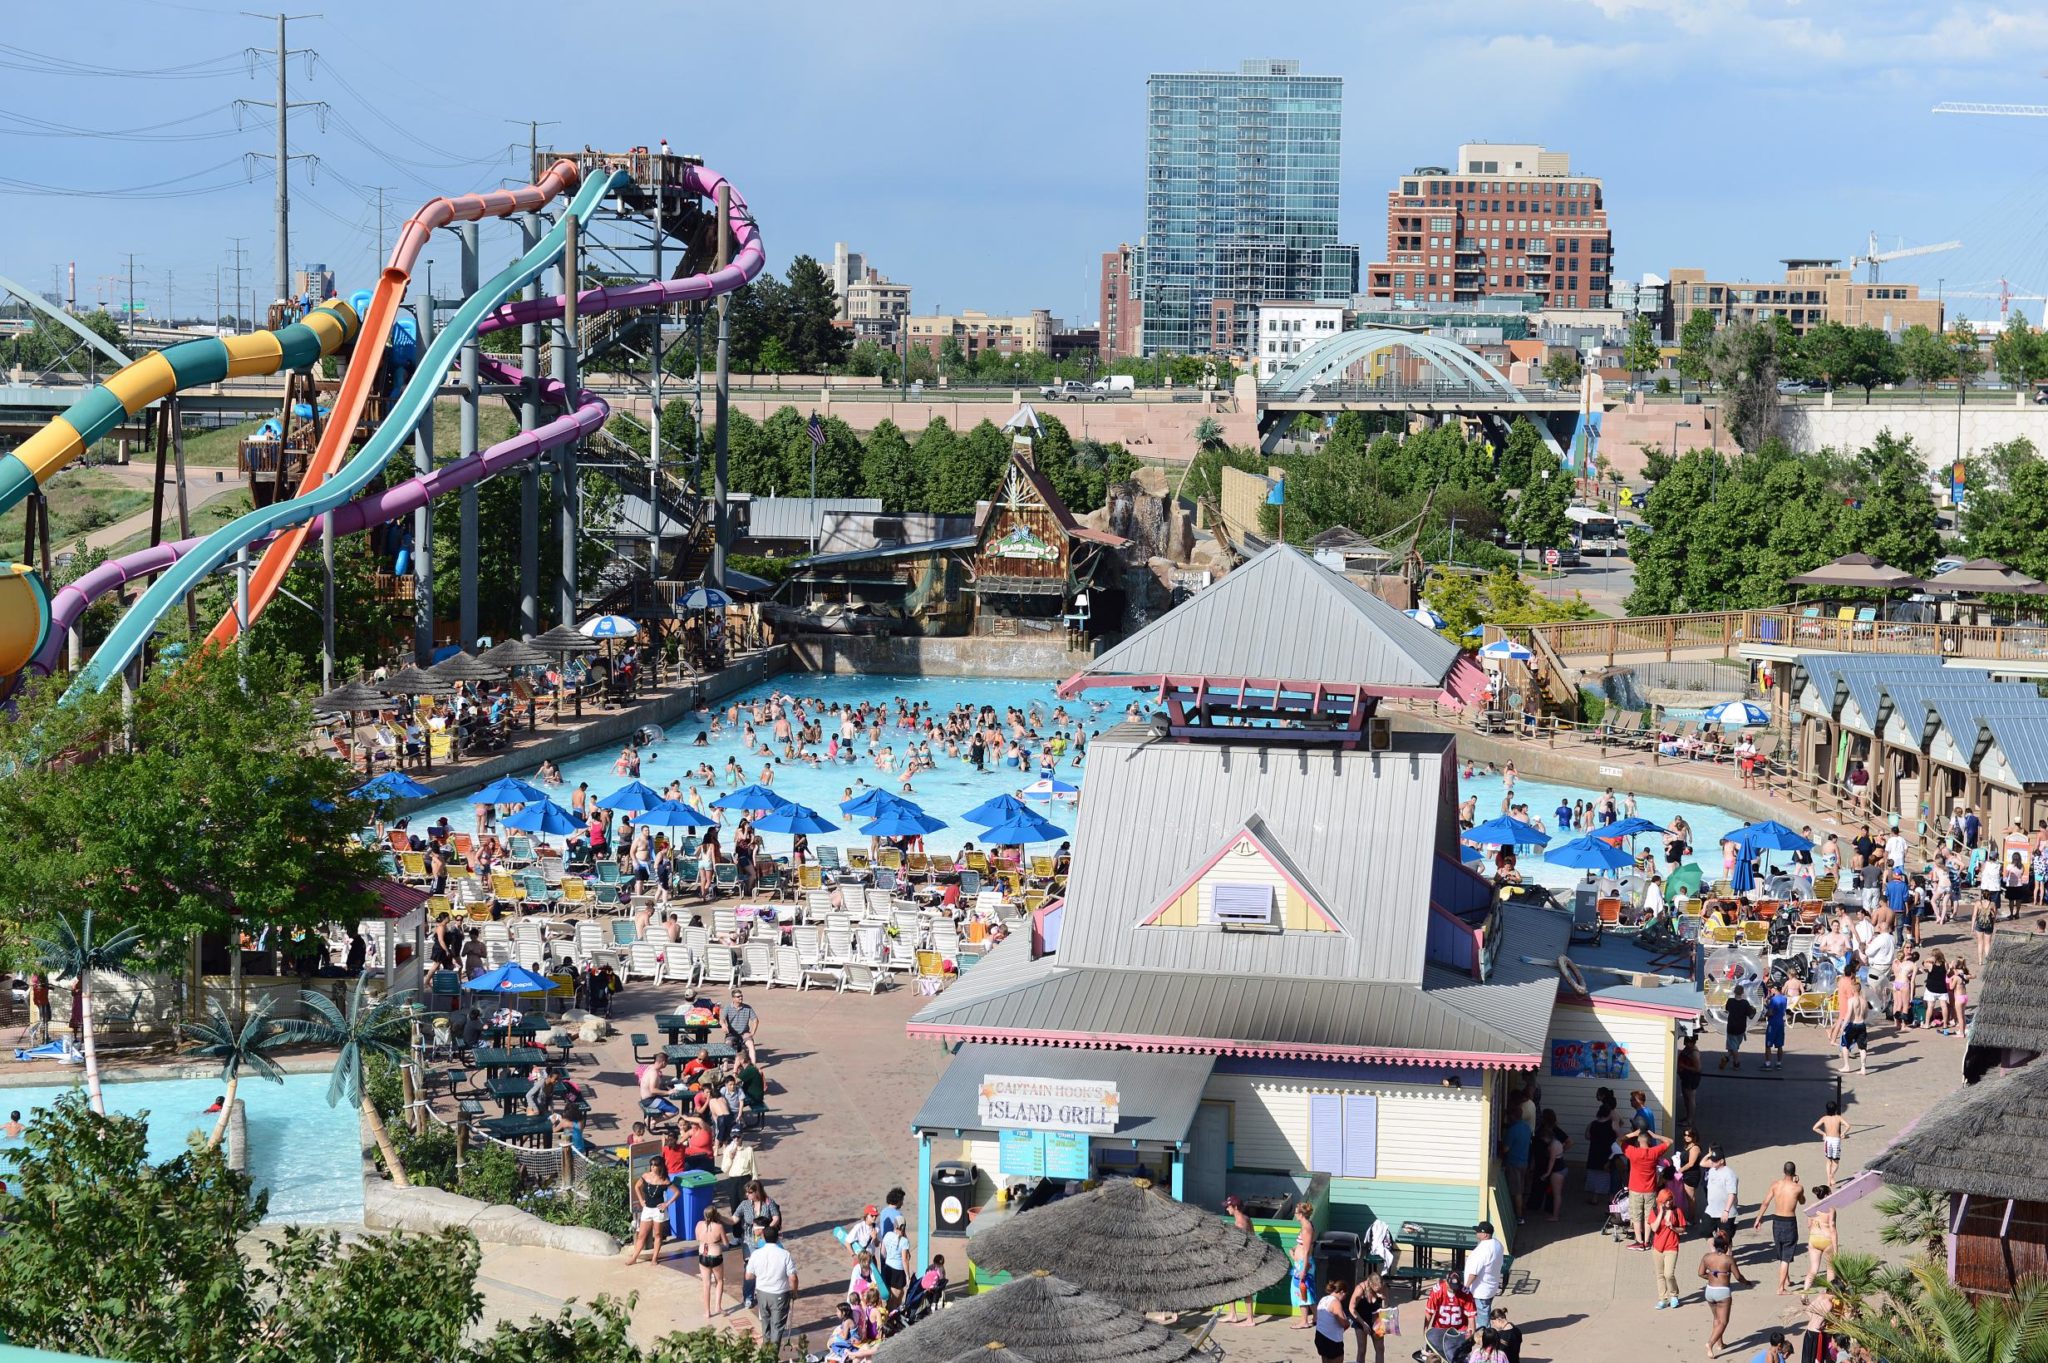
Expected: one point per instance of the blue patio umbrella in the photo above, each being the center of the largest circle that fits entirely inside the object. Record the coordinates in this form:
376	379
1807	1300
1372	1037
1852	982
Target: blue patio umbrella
392	785
609	627
1769	836
543	816
1050	788
1744	875
1588	853
1631	827
1737	714
1000	809
509	790
634	797
794	818
1425	617
901	820
872	801
1507	648
750	797
706	599
510	978
1505	831
1017	832
1476	632
674	814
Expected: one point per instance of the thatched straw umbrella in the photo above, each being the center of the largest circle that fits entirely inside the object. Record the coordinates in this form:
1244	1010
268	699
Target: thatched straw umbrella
467	667
995	1351
1129	1242
2010	1002
516	653
1048	1319
354	698
412	681
564	639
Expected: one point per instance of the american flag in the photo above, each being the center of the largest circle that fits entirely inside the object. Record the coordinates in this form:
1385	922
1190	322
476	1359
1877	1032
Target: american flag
817	429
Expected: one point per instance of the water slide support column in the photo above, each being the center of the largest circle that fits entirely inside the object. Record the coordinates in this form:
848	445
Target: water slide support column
423	519
565	457
654	392
529	472
468	566
721	523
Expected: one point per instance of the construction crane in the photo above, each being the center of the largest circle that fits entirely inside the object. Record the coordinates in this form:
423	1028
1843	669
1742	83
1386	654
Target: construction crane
1995	110
1874	257
2006	298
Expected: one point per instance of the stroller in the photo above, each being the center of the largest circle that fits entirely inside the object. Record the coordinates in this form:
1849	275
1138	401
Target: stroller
1617	1224
925	1294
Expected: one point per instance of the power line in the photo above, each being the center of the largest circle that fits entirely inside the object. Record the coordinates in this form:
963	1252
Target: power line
281	112
43	127
158	189
48	64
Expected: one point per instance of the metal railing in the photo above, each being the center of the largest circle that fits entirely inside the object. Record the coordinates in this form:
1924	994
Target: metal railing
1666	635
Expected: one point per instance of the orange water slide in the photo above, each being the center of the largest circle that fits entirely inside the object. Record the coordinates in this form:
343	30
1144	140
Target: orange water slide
354	396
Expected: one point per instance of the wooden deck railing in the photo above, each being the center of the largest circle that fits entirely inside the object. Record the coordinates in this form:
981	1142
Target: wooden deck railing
1581	641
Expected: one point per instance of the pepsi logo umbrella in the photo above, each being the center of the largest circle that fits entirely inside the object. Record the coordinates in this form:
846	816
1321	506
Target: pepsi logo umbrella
706	599
675	814
794	818
1507	649
632	798
1738	714
392	785
1588	854
1050	788
511	978
609	627
1506	832
1017	832
1000	809
545	817
509	790
901	820
750	797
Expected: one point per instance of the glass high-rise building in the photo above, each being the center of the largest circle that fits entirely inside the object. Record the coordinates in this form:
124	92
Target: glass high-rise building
1241	188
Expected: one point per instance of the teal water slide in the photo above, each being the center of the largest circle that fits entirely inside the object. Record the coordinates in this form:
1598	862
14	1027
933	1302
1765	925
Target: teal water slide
414	404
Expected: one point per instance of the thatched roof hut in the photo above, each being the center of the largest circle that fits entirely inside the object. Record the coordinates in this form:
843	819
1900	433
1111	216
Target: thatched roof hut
995	1351
1987	1141
1127	1241
1048	1319
2012	1000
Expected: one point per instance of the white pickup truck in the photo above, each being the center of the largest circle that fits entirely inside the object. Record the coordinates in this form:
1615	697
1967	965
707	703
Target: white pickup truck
1068	390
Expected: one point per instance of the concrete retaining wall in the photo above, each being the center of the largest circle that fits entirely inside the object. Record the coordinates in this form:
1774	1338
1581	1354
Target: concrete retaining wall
386	1206
1848	424
975	656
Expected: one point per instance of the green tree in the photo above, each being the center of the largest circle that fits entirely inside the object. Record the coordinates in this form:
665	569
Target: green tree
73	951
1871	360
775	357
1501	597
1540	521
170	1286
816	343
870	359
1924	355
2010	523
1915	1219
368	626
1696	348
1563	367
1934	1321
1965	357
237	1046
1519	453
1640	355
1748	362
353	1301
889	469
1896	520
2021	354
952	359
1828	347
1209	433
366	1027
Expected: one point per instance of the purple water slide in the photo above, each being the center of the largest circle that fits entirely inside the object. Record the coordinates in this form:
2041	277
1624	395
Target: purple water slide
393	503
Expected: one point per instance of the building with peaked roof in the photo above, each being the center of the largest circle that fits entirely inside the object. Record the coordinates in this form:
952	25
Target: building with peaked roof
1267	895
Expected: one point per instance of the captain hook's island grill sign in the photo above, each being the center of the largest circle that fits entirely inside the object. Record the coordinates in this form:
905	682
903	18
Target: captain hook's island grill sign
1012	1102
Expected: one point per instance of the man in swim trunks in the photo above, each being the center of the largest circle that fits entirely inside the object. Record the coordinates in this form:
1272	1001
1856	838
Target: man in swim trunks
1781	1205
1831	1128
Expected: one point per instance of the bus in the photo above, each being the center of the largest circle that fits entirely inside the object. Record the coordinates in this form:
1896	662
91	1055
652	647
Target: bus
1595	530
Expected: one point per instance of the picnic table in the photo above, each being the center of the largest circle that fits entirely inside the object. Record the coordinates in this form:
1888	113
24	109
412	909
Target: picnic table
508	1089
1425	1238
520	1130
698	1022
718	1052
509	1057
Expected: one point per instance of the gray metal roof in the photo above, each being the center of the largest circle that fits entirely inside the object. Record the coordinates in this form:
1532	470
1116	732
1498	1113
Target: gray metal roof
2022	739
886	551
1283	616
1312	1016
1963	716
1823	669
798	518
845	531
1362	830
1156	1094
1917	699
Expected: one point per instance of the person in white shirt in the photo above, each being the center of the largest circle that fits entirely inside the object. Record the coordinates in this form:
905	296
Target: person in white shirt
773	1273
1895	849
1878	954
1724	1194
1483	1270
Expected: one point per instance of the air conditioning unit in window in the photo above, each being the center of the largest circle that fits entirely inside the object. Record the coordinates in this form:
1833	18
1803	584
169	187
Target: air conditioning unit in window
1243	908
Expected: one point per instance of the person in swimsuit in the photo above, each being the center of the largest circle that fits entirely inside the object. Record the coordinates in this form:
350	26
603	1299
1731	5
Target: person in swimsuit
1240	1218
711	1243
1717	1271
1832	1129
1820	1243
1368	1299
1333	1322
652	1195
1781	1204
1302	1280
1855	1030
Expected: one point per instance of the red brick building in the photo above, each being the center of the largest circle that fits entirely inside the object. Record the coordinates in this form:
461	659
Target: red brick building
1121	306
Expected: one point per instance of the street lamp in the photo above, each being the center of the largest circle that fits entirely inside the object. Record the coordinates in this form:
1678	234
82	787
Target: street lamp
1962	379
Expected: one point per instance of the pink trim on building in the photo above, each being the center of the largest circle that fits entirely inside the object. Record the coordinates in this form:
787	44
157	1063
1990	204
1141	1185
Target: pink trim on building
1308	896
1104	1041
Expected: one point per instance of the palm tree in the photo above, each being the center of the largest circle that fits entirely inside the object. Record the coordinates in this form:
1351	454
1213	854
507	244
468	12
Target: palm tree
368	1027
237	1047
70	952
1208	433
1915	1218
1928	1319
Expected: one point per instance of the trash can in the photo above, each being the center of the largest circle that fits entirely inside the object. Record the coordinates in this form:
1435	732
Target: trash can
952	1195
1338	1254
697	1187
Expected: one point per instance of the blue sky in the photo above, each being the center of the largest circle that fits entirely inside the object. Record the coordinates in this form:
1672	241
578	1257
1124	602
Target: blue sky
989	158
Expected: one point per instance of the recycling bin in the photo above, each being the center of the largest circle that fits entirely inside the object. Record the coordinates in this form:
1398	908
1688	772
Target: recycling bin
696	1187
952	1195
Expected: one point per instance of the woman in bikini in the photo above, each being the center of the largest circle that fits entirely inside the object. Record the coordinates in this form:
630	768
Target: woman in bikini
1717	1271
711	1243
1302	1281
1820	1244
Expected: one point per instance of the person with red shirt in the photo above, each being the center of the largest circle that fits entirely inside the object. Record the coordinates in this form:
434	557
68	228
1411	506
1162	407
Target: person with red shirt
1448	1317
1642	1151
700	1147
1667	1224
672	1155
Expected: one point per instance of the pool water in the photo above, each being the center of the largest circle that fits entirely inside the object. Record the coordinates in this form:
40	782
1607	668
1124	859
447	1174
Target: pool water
955	787
305	1153
1708	822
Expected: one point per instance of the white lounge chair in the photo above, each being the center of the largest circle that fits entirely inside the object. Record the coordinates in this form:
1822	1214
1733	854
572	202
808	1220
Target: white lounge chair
865	978
788	969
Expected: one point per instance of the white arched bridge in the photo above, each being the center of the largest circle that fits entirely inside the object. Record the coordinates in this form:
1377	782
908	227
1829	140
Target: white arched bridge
1388	369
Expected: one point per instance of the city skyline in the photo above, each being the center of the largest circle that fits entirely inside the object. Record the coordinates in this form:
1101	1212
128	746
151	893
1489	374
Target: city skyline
1683	110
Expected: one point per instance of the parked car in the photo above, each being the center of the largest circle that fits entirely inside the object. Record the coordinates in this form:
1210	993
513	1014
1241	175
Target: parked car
1795	386
1069	390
